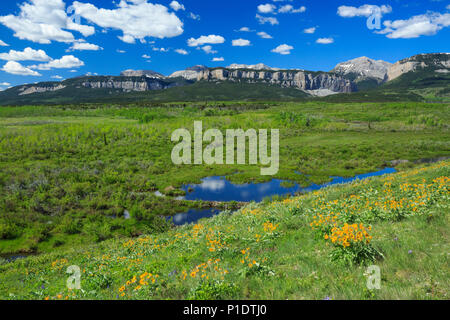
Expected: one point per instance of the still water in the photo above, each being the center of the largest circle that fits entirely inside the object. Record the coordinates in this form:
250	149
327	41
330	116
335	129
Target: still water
220	189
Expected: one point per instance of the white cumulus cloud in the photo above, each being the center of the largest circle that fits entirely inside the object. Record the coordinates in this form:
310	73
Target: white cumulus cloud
28	54
65	62
264	35
241	43
325	40
194	16
422	25
363	11
264	20
266	8
283	49
44	21
290	9
137	19
208	49
16	68
3	44
218	59
181	51
211	39
310	30
160	49
175	5
84	46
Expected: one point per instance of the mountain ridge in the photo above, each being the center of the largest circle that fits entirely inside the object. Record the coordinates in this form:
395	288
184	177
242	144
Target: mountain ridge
347	77
364	67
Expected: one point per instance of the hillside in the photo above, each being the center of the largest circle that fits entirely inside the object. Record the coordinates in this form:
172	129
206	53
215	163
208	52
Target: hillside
199	91
309	247
427	79
429	82
418	78
366	73
66	170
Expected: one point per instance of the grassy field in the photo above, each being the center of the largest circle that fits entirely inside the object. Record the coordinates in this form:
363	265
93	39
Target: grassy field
65	171
316	246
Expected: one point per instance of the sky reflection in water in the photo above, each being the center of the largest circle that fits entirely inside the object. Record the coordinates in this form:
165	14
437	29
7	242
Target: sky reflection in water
220	189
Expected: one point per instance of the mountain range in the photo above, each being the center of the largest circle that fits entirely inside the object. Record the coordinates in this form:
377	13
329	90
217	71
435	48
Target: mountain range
416	75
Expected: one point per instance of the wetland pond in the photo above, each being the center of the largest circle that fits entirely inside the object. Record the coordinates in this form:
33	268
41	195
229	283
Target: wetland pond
220	189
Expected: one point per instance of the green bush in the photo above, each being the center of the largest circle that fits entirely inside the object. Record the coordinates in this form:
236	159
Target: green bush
8	231
213	290
98	230
359	254
71	225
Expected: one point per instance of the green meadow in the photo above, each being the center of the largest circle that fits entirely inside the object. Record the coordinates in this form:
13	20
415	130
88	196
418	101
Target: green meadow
68	173
290	249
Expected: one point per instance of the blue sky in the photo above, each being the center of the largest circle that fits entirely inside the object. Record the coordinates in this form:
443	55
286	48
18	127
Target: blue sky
50	40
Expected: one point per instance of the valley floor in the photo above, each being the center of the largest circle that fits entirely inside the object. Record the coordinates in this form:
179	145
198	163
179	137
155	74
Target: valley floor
316	246
69	173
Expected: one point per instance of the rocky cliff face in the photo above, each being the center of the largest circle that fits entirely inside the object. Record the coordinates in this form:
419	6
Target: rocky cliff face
126	84
142	73
303	80
437	61
132	84
363	68
344	78
190	73
259	66
25	90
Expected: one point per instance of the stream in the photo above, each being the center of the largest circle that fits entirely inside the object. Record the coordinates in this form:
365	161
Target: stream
217	188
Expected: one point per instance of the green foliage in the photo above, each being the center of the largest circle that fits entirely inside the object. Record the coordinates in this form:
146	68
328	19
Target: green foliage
292	119
263	251
71	225
199	91
428	120
99	281
359	254
75	169
8	230
99	231
213	290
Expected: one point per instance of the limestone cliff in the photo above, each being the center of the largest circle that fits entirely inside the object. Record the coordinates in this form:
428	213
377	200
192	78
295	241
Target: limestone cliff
142	73
363	68
302	80
126	84
25	90
190	73
437	61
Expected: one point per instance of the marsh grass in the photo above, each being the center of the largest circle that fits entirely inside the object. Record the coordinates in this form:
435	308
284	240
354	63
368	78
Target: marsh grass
67	171
264	251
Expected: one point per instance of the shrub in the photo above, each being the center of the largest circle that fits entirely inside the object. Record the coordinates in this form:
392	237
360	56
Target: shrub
352	244
147	118
213	290
8	231
40	233
100	231
70	225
